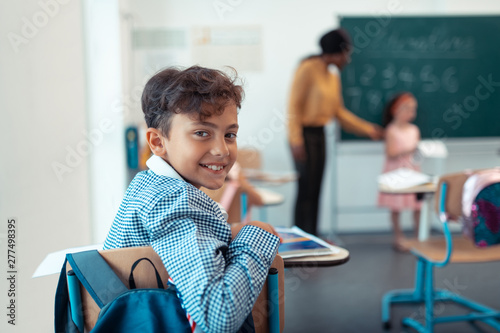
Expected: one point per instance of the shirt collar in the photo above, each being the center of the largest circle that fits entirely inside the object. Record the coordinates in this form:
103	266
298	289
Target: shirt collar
159	166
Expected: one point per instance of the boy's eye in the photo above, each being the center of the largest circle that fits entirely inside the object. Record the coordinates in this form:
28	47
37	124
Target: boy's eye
201	133
231	135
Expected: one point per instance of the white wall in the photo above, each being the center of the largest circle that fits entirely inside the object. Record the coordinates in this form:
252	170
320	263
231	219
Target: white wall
105	112
62	170
43	119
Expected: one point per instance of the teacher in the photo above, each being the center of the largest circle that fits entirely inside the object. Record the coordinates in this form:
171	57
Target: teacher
316	99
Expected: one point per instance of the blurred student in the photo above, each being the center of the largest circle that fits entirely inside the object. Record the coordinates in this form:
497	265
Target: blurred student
316	99
401	141
253	196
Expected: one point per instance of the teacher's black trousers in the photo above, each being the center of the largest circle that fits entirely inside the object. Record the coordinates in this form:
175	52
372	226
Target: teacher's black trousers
310	177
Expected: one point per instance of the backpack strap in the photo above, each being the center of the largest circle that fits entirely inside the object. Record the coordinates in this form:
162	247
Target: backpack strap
131	280
63	322
96	276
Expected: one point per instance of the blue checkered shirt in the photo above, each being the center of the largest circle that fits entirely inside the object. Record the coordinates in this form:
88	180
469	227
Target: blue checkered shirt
218	279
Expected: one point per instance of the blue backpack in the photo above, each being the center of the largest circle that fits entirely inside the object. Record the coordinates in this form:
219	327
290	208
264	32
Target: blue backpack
122	309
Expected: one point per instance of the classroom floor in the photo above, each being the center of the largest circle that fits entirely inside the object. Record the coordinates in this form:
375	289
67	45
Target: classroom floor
346	298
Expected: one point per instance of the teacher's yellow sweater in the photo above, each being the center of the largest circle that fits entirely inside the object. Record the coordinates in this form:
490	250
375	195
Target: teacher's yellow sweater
316	98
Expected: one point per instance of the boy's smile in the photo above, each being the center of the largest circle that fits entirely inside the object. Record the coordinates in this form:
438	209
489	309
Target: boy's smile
203	152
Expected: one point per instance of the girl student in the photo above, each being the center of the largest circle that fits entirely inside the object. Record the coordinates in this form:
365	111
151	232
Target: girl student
401	141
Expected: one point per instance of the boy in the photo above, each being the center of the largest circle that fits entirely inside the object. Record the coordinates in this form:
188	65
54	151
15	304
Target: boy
192	125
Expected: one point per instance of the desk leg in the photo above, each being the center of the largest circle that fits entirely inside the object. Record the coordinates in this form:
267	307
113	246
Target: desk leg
425	222
263	213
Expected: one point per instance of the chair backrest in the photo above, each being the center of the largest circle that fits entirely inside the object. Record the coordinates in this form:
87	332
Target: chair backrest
453	198
121	260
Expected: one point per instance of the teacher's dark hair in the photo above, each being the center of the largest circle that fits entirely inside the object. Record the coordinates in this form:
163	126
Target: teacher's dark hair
335	41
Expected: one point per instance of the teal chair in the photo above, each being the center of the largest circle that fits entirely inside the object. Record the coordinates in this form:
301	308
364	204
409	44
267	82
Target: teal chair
439	253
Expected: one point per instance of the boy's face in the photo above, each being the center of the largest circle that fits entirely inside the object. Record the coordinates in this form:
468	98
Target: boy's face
203	152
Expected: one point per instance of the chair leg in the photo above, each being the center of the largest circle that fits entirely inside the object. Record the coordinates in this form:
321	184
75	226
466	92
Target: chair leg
487	315
429	298
420	275
415	295
493	323
481	312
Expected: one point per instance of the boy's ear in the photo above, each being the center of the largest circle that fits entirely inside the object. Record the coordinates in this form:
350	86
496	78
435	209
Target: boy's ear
155	141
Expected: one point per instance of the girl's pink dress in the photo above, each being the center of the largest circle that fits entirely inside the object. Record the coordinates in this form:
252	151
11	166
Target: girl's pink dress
405	140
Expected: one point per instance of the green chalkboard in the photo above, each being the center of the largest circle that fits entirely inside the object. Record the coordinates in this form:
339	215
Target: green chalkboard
450	63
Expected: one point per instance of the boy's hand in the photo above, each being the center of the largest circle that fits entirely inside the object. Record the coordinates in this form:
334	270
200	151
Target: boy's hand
236	227
266	226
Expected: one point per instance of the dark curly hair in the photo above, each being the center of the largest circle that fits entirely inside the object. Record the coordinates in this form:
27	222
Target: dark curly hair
195	90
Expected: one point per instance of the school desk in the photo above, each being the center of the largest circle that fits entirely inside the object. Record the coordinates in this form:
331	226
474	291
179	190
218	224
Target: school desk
269	198
269	178
335	259
427	191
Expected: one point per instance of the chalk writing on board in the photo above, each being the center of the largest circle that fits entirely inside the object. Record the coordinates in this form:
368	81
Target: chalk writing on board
384	80
450	64
438	44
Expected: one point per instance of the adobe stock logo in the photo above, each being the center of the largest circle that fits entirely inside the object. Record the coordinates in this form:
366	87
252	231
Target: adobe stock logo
483	91
221	7
30	28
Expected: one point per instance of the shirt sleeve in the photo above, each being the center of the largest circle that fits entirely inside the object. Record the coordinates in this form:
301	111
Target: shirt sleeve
298	96
218	279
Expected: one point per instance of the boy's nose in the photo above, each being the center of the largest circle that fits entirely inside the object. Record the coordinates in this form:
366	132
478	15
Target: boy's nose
220	148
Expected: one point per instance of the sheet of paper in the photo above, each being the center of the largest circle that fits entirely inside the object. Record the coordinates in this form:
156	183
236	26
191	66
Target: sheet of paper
433	149
403	178
53	262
